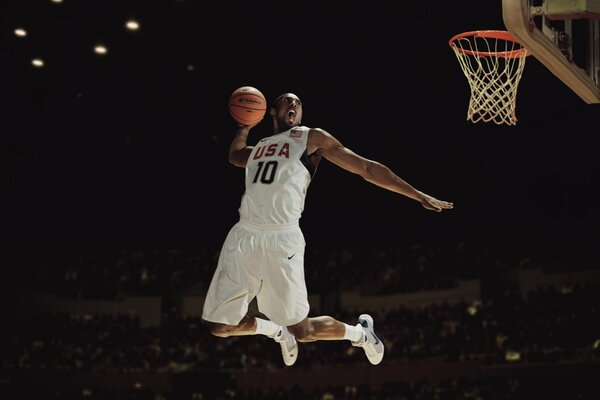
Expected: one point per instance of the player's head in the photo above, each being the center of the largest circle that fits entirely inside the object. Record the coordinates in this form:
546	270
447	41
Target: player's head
286	112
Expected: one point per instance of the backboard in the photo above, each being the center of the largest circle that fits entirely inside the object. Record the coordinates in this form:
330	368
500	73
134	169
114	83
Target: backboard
564	35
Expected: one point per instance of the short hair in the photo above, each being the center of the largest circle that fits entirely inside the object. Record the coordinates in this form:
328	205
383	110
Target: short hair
281	96
274	104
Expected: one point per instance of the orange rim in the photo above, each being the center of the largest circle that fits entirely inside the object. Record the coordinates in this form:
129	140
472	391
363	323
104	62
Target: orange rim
489	34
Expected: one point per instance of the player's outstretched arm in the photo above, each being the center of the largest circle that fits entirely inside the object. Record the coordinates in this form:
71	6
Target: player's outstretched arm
372	171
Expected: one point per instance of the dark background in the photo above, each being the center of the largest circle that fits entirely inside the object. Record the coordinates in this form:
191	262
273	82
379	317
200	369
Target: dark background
130	149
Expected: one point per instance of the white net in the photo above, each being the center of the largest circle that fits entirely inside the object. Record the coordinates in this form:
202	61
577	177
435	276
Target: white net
493	63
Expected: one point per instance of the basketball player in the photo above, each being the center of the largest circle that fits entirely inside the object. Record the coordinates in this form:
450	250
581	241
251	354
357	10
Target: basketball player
263	254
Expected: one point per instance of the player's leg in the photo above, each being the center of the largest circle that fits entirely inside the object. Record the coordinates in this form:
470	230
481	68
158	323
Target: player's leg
247	326
234	285
257	326
284	299
237	280
324	328
327	328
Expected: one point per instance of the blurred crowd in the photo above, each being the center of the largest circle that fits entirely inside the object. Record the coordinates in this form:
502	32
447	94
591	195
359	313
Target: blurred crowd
550	325
546	326
109	273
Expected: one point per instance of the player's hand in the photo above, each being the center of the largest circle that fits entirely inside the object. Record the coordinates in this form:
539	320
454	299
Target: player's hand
431	203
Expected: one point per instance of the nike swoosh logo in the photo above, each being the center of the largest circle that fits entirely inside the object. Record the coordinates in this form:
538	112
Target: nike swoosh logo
376	338
290	257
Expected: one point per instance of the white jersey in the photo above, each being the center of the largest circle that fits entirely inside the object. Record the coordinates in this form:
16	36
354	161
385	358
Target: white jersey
277	177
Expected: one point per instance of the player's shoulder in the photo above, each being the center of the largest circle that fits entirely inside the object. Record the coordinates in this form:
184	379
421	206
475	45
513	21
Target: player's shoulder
317	132
319	138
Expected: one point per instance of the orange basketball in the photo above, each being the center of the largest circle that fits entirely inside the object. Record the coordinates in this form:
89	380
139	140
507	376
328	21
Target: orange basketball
247	105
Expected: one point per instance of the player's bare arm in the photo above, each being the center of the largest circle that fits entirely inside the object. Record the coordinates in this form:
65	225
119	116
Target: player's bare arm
239	151
374	172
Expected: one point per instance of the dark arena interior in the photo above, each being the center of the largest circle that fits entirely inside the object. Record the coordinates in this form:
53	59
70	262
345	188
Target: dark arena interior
116	195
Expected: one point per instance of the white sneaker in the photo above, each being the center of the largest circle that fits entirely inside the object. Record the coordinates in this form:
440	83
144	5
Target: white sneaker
371	344
289	346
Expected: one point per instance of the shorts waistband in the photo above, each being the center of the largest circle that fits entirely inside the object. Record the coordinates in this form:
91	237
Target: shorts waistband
268	227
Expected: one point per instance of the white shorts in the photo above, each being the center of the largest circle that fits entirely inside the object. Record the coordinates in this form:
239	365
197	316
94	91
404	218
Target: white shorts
266	263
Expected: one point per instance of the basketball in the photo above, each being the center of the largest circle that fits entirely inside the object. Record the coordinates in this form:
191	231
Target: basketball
247	105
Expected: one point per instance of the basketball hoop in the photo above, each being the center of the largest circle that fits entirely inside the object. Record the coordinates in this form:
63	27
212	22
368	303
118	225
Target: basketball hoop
493	62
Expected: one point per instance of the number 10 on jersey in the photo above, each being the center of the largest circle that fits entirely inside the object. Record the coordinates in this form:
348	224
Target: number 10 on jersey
265	172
